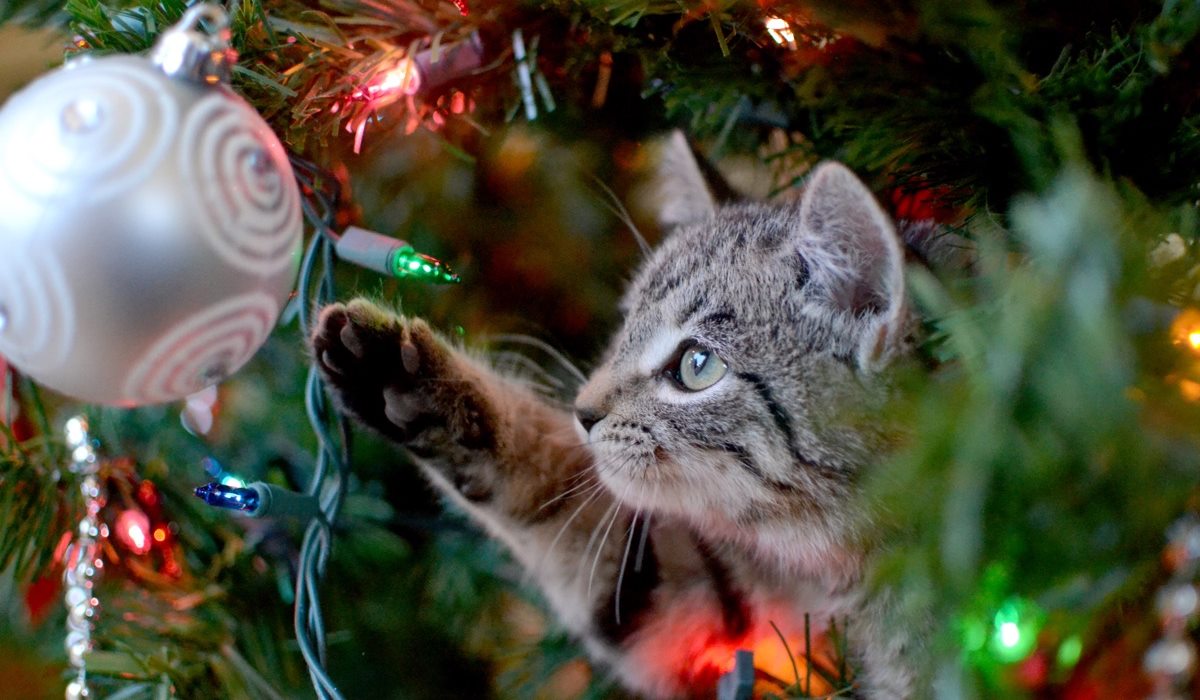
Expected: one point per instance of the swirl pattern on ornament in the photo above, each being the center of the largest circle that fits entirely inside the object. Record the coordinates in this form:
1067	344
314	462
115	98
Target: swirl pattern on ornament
248	205
202	350
88	132
39	312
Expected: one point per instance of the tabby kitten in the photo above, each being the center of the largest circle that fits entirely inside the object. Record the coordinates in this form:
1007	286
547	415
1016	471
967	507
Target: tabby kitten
704	486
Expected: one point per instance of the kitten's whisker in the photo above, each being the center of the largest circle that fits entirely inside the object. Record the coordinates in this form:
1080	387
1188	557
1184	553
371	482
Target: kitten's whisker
611	517
587	445
641	552
613	462
610	512
583	474
603	540
595	491
624	560
612	508
592	479
544	347
526	370
618	209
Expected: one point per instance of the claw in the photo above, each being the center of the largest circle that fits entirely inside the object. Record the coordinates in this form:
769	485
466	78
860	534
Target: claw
410	357
328	364
350	339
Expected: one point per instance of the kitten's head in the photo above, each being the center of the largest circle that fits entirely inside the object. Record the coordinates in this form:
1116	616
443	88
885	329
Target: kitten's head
750	335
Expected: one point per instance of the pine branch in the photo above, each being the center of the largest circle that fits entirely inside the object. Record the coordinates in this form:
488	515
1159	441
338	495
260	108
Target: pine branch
34	510
32	13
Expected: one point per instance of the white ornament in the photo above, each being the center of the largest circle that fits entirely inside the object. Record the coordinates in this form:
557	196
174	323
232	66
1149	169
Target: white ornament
152	224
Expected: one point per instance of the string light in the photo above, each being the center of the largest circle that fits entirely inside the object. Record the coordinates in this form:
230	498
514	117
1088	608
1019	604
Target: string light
411	74
402	78
391	256
1185	330
321	502
259	499
1014	630
781	32
229	498
800	30
1189	389
408	263
1069	652
133	531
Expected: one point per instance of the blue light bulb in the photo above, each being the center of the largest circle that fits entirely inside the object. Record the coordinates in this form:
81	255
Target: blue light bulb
221	496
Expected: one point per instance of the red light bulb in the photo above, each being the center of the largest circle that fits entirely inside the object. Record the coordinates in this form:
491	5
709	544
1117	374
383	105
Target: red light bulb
133	531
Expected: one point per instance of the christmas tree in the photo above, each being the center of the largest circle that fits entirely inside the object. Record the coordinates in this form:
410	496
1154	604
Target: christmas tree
1040	500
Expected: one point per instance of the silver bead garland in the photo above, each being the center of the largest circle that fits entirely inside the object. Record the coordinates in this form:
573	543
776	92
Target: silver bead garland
82	560
1171	660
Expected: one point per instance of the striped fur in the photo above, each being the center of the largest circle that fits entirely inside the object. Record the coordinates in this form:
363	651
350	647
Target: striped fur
681	522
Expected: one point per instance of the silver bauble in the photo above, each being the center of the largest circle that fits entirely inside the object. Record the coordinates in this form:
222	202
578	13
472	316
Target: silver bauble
77	645
79	615
76	653
151	234
77	690
76	594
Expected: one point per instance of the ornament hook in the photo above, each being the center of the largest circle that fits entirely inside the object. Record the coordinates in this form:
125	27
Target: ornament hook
188	52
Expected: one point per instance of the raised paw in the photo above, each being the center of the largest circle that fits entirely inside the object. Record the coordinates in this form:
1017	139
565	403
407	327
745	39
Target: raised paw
382	368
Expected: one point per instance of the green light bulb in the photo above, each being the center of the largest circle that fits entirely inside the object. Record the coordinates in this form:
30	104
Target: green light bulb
1069	652
408	263
974	633
1014	630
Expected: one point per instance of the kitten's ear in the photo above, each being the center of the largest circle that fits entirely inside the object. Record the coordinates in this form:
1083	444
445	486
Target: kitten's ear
855	253
677	192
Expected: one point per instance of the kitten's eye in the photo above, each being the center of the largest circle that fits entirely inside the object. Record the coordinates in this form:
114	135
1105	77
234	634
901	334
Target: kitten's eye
699	368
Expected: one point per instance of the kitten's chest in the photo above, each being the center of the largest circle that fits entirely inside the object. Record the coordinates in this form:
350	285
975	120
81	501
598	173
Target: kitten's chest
787	629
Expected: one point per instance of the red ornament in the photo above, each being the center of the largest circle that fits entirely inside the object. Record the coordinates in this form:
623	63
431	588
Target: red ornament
41	598
147	494
918	204
1033	671
1083	689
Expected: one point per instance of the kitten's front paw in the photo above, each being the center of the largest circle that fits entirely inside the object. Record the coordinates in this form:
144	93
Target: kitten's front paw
374	363
394	374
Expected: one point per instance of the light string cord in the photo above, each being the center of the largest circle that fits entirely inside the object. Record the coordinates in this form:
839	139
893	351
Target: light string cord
328	483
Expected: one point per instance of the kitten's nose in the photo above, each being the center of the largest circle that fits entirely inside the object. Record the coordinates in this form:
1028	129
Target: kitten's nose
589	417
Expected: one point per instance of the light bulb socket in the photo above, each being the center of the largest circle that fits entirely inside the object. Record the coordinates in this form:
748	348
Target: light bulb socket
259	500
391	256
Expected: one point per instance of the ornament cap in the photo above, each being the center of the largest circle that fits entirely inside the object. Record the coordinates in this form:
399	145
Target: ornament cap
186	51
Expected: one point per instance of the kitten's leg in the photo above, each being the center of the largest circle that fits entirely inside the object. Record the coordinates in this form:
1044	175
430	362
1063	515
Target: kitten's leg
515	464
510	459
494	443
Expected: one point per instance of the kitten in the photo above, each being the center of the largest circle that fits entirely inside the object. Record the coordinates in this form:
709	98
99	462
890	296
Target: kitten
705	484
